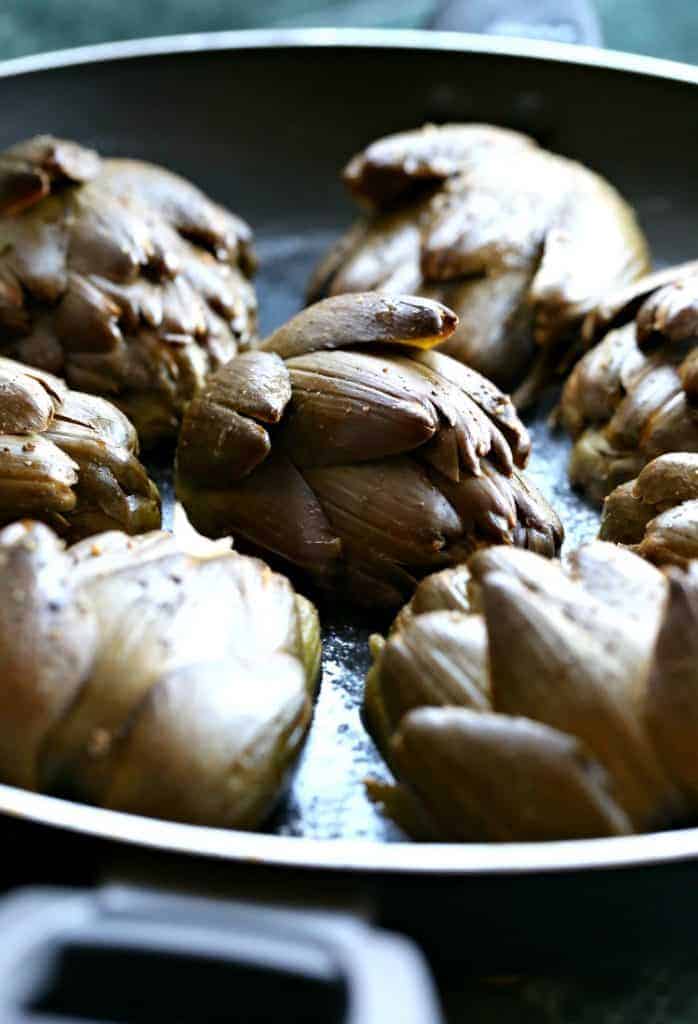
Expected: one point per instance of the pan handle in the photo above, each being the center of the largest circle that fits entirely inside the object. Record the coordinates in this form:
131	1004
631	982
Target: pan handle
563	21
121	953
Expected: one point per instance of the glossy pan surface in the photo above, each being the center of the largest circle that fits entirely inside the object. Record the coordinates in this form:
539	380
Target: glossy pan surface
263	121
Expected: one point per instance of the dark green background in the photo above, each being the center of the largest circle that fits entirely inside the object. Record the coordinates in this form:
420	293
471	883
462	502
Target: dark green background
659	994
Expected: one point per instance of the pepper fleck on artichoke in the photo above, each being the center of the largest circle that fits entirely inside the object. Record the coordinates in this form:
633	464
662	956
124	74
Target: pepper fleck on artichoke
519	699
69	459
119	276
657	513
520	242
633	395
145	678
348	448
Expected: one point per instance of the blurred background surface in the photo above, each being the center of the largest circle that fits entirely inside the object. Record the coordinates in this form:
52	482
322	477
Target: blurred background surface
663	28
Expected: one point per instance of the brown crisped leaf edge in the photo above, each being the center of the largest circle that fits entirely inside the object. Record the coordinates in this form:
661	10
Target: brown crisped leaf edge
348	448
632	397
69	459
121	277
520	242
145	677
520	699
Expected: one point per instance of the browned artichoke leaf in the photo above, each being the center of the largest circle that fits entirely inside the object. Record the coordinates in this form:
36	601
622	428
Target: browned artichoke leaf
47	644
538	526
26	406
382	256
674	427
485	504
668	479
669	313
597	467
354	406
99	417
623	582
388	509
497	406
391	167
438	659
183	206
653	391
574	269
114	550
672	536
561	657
599	380
220	441
109	237
132	284
62	159
212	743
624	515
441	591
363	319
157	616
672	706
478	225
36	478
29	169
36	248
621	305
488	777
273	508
688	372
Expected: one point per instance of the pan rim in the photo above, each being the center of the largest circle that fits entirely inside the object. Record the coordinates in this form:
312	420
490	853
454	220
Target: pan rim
349	38
366	856
341	855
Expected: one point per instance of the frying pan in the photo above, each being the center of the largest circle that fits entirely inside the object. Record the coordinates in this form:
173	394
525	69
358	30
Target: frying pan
264	121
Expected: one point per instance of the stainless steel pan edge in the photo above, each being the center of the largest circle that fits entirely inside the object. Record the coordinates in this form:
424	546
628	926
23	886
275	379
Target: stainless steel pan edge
255	848
400	39
338	854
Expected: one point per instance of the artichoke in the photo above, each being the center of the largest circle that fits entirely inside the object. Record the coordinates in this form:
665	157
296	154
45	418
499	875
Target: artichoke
143	677
119	276
657	513
69	459
520	699
632	397
521	243
348	448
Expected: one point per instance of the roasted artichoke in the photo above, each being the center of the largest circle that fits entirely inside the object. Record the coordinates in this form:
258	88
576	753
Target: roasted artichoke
517	699
69	459
349	449
657	513
144	678
521	243
119	276
633	396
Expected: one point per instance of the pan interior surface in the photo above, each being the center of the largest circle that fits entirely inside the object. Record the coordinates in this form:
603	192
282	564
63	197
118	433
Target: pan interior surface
266	129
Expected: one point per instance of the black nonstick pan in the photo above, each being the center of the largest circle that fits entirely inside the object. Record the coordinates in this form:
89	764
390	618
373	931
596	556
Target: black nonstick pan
264	121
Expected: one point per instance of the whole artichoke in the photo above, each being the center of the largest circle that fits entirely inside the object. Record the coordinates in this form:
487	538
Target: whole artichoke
657	513
517	699
143	677
632	397
119	276
69	459
346	447
521	243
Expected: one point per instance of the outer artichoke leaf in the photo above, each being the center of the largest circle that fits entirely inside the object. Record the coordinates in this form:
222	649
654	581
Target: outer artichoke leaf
488	777
363	319
47	644
569	661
